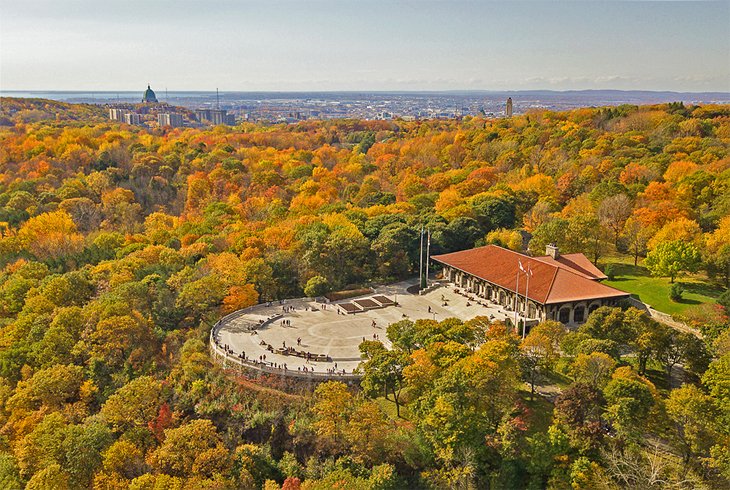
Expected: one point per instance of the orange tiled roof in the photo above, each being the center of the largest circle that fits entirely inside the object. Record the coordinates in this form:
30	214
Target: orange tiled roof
551	281
577	263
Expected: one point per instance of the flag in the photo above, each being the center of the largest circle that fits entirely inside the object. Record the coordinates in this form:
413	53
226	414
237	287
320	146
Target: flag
521	268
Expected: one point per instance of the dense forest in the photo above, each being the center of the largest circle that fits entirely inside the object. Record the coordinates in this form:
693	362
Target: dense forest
120	246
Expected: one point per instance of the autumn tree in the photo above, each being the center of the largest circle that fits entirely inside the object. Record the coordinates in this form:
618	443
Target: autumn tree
193	449
50	236
133	405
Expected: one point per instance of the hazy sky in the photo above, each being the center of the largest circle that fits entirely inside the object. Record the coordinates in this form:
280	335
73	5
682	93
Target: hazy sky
364	45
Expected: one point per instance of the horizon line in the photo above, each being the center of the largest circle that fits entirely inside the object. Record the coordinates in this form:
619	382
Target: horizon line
414	91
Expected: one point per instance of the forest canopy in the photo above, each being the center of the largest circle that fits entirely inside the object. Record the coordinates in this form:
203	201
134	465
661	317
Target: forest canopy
120	246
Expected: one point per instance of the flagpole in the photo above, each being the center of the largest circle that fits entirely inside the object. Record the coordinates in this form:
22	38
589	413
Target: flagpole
527	299
420	262
517	292
428	252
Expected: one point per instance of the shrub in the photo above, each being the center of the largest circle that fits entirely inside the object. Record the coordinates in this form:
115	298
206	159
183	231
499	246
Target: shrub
675	293
610	271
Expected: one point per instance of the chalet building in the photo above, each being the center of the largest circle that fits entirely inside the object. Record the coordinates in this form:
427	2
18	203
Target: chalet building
559	287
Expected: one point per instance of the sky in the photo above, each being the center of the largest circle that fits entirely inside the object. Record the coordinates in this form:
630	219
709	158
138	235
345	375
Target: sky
272	45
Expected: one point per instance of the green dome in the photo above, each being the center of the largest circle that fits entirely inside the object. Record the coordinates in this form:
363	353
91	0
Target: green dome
149	95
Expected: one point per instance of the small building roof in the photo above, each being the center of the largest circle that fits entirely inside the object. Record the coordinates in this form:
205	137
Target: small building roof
552	281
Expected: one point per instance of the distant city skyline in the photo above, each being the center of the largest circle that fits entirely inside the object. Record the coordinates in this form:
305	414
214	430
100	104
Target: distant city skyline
327	45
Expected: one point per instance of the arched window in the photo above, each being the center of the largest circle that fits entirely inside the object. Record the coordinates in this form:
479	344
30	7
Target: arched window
564	315
579	314
593	307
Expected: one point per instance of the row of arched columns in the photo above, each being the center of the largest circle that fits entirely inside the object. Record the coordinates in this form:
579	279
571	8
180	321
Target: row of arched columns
568	313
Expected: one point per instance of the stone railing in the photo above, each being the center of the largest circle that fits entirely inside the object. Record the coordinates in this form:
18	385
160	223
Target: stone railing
228	359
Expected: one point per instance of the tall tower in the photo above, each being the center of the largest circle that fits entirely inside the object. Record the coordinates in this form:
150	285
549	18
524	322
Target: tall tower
508	110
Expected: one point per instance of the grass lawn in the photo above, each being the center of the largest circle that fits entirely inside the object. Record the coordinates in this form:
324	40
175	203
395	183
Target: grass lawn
655	290
540	412
389	408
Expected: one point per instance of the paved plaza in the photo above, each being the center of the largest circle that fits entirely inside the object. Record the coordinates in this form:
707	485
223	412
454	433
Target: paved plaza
326	332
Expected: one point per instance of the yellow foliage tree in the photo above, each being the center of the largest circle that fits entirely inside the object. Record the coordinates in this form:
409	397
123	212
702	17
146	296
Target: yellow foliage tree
50	236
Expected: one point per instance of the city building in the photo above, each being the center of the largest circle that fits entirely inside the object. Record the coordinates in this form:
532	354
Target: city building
559	287
215	116
132	118
149	96
170	119
508	110
116	114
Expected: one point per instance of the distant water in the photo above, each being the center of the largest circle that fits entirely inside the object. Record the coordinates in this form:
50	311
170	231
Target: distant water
587	95
367	104
101	97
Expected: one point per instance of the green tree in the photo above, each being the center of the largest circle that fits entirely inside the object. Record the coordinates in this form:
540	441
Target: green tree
594	369
552	231
82	446
493	213
675	347
52	477
609	323
540	351
630	401
396	250
671	258
694	416
383	371
403	334
316	286
9	473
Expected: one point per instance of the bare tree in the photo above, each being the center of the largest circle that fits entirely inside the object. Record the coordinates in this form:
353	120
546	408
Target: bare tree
613	213
641	468
636	236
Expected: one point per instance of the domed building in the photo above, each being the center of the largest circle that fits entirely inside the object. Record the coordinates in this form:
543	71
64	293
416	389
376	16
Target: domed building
149	96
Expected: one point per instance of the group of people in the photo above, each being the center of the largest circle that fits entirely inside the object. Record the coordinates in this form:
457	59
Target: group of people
286	323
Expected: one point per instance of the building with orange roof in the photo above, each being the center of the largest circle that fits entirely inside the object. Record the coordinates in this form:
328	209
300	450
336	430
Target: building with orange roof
559	287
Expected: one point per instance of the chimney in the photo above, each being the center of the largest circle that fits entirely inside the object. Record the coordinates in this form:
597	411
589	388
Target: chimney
552	250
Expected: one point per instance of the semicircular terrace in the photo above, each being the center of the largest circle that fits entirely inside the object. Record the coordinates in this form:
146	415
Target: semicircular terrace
304	338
